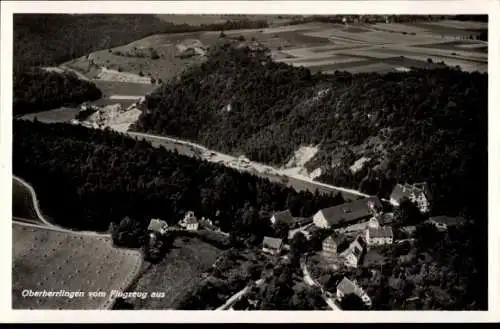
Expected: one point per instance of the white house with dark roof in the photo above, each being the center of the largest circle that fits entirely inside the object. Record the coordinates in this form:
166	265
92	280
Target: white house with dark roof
158	225
353	254
189	222
272	245
376	236
418	193
347	213
347	287
284	216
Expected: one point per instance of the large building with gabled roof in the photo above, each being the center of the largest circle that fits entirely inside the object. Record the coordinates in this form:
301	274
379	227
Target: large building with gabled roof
347	213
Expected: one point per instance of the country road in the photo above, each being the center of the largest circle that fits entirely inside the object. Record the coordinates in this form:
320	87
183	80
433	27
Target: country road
44	222
299	183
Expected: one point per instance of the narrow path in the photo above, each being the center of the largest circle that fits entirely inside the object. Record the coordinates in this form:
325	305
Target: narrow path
311	282
237	296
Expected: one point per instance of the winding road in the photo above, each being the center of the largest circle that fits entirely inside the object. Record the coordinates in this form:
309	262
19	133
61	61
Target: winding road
44	223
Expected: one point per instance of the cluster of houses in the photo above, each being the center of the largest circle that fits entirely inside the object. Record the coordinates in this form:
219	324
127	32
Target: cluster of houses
364	217
189	223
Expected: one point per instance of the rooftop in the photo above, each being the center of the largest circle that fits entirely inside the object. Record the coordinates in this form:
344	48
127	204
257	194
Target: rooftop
157	225
346	286
352	211
380	232
273	243
406	190
284	216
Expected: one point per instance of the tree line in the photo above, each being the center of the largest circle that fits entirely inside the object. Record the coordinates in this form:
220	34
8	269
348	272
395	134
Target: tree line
38	90
87	179
50	39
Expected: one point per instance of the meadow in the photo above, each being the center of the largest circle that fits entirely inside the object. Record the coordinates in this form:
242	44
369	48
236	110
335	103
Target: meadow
180	270
51	260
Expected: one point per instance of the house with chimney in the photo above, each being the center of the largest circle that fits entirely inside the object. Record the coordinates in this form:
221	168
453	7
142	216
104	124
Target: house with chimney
418	193
347	213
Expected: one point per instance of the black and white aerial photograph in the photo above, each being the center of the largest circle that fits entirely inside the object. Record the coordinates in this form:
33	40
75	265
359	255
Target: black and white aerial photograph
249	162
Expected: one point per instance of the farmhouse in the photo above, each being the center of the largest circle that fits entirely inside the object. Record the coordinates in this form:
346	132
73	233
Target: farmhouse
379	235
330	247
283	217
272	245
442	223
158	226
347	213
418	193
346	287
353	254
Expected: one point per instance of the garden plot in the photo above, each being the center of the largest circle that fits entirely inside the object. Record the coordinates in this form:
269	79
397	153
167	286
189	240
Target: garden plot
50	260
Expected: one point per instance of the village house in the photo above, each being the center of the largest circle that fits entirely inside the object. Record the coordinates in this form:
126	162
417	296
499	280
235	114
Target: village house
376	236
353	254
418	193
158	226
347	213
347	287
284	216
189	222
330	248
442	223
272	245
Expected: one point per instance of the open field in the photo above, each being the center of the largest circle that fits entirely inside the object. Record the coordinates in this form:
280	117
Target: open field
63	114
321	46
22	202
47	259
176	274
458	46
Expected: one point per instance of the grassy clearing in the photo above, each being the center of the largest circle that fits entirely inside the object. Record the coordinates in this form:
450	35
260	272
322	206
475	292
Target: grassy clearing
176	274
49	260
22	202
63	114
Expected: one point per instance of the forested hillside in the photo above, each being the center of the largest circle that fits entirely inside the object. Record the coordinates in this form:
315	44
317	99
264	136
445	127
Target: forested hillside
51	39
86	179
424	125
37	90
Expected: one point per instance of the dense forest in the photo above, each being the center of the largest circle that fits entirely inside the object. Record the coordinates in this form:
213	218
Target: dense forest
50	39
87	179
37	90
400	121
